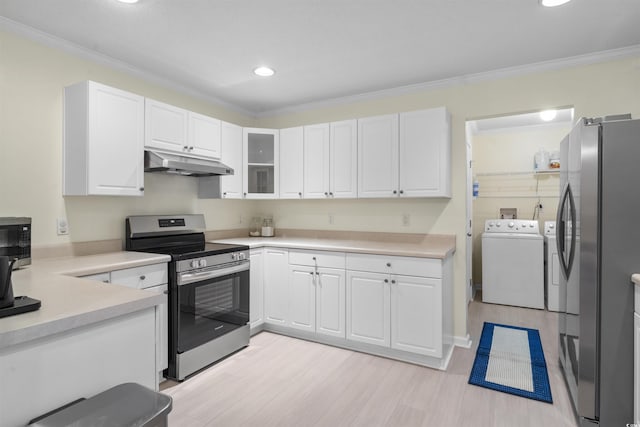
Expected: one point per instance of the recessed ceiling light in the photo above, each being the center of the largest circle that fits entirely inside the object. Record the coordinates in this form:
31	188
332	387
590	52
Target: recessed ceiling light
553	3
128	1
264	72
548	115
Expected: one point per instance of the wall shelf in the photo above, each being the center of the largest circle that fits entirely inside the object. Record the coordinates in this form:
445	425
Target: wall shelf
514	173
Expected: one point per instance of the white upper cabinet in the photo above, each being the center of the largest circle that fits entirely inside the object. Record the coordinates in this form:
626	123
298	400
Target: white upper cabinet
291	163
103	141
405	155
204	136
261	153
165	127
343	159
316	161
425	154
378	156
175	130
231	151
331	160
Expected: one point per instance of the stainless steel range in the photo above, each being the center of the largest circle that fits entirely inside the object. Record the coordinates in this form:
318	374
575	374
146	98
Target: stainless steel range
208	289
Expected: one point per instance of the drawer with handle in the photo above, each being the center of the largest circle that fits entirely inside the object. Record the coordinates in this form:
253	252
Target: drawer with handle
141	277
407	266
317	258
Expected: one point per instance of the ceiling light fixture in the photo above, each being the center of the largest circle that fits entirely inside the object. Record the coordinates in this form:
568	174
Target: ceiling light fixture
128	1
553	3
548	115
264	72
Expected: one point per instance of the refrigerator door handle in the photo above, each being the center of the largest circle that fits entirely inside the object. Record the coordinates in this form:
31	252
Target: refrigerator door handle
560	230
572	249
566	259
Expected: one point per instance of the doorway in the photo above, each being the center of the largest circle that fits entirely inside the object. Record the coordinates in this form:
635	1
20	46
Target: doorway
509	167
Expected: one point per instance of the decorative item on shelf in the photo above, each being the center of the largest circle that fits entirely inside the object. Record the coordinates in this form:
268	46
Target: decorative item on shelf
554	160
541	160
267	227
256	223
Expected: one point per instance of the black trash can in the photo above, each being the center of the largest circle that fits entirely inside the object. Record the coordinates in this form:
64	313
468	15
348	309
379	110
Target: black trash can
125	405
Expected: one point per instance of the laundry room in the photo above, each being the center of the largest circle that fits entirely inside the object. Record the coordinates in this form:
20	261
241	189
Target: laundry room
515	179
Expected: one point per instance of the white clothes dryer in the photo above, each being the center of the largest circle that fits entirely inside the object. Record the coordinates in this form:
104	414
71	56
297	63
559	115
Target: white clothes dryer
513	263
552	264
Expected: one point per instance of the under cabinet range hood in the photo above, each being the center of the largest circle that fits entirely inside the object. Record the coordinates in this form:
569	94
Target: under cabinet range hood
155	161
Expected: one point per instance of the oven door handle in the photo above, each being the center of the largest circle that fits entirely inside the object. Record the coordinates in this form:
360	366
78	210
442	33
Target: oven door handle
187	278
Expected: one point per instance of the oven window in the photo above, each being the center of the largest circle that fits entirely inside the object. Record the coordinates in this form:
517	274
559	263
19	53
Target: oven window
212	308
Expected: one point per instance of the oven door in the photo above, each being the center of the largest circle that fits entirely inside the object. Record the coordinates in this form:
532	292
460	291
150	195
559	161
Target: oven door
211	303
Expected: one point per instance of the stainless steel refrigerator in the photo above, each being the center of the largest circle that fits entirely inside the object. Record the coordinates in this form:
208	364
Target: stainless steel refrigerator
598	237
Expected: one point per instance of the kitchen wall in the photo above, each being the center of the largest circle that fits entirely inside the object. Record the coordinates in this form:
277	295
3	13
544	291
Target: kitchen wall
593	90
32	76
503	165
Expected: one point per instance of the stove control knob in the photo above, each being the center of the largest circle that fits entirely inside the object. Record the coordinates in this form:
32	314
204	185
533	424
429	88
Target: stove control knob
498	224
202	263
195	263
243	256
234	256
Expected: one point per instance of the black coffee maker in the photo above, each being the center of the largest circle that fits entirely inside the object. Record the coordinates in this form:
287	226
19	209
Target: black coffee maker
8	304
6	287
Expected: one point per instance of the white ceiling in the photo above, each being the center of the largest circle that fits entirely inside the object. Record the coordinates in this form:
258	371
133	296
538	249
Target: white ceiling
326	49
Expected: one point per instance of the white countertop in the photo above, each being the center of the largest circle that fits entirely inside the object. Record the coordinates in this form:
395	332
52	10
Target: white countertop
434	246
69	302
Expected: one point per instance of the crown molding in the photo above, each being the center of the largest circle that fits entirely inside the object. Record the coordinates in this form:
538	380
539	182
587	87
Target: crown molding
33	34
538	67
75	49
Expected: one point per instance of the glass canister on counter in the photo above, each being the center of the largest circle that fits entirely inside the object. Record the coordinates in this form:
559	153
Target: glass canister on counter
267	227
255	228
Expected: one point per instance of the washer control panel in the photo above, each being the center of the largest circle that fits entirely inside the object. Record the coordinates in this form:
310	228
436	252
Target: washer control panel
549	228
521	226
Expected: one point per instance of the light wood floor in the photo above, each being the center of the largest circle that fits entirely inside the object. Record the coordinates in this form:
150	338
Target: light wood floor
281	381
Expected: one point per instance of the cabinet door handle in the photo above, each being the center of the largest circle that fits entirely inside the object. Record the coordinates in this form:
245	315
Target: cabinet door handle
190	148
401	191
326	194
224	194
331	194
314	258
388	264
143	277
311	273
185	147
393	281
395	192
141	188
299	194
386	280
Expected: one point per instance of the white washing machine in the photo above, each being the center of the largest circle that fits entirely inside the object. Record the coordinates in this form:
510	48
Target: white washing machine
513	263
552	264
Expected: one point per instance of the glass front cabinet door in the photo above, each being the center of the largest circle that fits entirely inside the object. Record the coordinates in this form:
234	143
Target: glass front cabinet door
261	171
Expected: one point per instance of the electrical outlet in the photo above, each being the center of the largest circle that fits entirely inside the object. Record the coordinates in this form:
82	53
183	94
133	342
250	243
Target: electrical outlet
406	220
330	218
62	226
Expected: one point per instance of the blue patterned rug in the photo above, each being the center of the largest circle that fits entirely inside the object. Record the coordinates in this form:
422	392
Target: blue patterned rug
510	359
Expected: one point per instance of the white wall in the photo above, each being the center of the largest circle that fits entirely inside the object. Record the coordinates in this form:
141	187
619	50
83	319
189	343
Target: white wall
593	90
512	151
32	77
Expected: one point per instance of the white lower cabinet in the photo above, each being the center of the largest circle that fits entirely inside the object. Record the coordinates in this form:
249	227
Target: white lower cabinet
398	307
302	298
317	300
330	302
368	308
416	315
276	286
256	294
151	278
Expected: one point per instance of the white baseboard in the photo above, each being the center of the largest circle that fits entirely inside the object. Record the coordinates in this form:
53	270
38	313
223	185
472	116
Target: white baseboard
464	342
